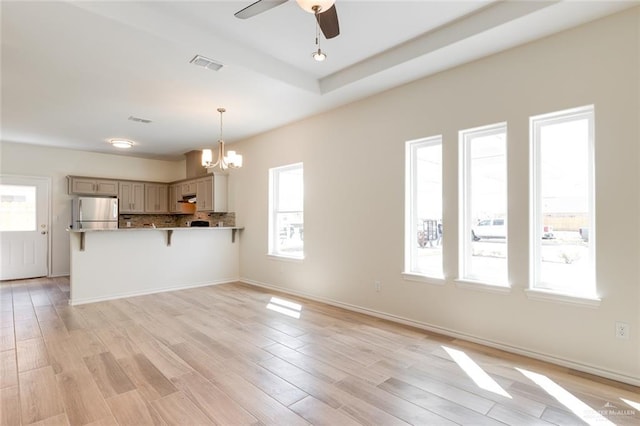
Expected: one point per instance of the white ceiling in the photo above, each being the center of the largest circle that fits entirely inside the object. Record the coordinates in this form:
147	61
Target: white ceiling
73	72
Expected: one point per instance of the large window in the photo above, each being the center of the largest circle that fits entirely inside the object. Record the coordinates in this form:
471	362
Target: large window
286	218
483	204
562	234
423	236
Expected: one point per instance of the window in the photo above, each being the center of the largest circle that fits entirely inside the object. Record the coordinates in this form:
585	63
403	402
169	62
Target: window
423	204
286	218
562	199
483	204
17	208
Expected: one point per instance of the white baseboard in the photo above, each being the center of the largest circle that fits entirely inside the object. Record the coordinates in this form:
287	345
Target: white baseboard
564	362
76	302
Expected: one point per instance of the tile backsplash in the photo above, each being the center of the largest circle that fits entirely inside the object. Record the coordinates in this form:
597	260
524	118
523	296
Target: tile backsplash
174	220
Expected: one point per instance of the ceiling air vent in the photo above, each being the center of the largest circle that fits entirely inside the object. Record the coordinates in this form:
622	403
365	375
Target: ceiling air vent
139	120
203	62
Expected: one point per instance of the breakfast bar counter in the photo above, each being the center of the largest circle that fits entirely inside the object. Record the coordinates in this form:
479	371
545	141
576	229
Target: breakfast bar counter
125	262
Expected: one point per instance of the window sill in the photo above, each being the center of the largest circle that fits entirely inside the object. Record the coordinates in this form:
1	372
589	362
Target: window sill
285	258
482	286
550	296
412	276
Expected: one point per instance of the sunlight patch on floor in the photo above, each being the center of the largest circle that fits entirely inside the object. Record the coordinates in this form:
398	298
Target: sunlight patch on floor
634	404
577	407
477	374
285	307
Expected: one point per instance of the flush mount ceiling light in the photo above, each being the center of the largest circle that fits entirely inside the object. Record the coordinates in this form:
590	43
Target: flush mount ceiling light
231	160
121	143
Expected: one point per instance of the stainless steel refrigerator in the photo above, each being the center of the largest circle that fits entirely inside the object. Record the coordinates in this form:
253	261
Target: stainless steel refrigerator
94	213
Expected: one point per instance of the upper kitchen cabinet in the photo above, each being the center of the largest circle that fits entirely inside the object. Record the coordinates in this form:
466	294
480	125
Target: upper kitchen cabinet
131	195
155	198
90	186
175	197
211	194
188	188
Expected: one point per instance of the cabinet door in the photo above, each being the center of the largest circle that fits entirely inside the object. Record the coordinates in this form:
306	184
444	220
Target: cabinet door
106	187
131	195
189	187
138	197
201	190
82	186
175	196
155	198
212	194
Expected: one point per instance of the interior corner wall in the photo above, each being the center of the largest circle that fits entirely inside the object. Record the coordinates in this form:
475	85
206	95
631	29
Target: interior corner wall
354	197
56	164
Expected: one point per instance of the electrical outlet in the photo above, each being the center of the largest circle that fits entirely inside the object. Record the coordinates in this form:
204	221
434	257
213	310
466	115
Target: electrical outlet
377	285
622	330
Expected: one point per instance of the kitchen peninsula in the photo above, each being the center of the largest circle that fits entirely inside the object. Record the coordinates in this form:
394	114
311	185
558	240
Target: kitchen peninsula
110	264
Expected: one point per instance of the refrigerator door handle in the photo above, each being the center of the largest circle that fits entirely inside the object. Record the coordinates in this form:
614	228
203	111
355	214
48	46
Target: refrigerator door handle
80	209
115	209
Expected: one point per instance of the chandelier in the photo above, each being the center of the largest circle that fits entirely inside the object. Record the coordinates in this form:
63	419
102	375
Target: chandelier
232	160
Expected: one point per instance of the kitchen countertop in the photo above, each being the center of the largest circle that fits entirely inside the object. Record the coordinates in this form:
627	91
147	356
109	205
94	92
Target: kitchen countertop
177	228
168	230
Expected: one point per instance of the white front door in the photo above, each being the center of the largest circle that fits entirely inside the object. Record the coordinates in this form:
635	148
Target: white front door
24	227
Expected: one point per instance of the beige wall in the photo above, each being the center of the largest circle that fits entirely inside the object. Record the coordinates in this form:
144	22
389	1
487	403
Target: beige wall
354	196
56	164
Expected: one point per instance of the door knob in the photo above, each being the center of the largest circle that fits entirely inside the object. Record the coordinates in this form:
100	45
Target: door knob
43	232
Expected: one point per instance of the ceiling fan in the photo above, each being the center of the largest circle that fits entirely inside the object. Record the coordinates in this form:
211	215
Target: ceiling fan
324	10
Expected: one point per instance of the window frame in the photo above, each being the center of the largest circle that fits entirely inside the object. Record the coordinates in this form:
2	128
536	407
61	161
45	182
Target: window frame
536	217
274	190
465	138
411	216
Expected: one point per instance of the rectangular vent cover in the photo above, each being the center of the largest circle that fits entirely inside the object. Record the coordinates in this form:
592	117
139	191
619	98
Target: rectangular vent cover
203	62
139	120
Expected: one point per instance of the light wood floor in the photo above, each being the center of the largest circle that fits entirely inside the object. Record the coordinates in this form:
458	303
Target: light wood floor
217	355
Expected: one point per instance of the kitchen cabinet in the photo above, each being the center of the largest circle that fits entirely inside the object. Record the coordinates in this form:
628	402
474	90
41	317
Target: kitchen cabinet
189	187
132	197
175	196
90	186
155	198
211	194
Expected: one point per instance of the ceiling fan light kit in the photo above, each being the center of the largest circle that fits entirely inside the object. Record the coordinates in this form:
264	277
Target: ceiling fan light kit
315	6
324	11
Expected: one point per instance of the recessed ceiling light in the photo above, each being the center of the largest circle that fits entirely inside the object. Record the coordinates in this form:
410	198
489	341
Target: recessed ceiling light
121	143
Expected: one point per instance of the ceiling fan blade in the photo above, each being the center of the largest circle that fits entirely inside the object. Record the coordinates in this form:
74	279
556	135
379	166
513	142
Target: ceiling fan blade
328	22
258	7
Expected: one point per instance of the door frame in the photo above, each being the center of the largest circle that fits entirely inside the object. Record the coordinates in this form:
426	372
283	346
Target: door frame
46	180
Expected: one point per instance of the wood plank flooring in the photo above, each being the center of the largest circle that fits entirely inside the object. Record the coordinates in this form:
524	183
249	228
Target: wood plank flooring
217	355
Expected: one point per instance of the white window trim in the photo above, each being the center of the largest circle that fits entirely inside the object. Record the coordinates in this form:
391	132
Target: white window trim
535	219
464	244
294	259
411	193
422	278
552	296
470	284
272	231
